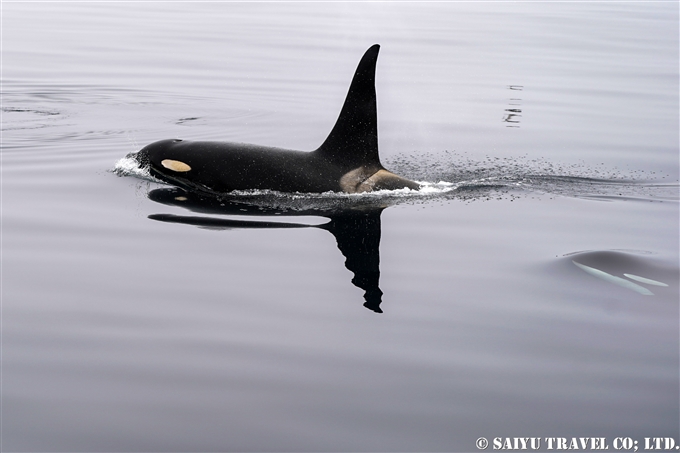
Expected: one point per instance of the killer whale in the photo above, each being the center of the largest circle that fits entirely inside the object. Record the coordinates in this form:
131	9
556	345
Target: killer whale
347	161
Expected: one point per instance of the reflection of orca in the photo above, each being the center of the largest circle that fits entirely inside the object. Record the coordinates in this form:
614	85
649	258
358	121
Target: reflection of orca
357	230
346	162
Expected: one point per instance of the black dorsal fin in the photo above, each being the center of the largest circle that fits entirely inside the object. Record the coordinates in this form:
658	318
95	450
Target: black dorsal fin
353	142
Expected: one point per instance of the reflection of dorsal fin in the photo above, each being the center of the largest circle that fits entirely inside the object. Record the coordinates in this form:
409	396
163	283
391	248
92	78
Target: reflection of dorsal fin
354	139
358	237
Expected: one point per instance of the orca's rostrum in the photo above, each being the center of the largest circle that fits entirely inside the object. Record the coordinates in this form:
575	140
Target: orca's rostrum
347	161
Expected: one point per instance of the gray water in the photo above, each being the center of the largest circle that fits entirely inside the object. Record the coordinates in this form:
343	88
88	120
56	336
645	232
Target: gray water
521	298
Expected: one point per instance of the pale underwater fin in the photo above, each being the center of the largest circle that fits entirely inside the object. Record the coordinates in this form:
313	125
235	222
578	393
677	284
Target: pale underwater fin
353	141
614	279
648	281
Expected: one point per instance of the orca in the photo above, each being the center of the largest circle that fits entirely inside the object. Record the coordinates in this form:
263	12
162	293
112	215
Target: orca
347	161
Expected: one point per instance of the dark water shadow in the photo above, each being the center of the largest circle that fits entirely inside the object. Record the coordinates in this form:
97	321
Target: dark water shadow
356	227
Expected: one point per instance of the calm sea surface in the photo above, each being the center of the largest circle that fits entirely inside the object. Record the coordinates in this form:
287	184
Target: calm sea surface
532	291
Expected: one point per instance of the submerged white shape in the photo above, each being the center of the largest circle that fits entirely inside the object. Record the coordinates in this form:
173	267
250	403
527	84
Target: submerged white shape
648	281
613	279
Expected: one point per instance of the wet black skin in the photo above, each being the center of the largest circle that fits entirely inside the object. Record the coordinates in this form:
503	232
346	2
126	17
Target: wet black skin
218	167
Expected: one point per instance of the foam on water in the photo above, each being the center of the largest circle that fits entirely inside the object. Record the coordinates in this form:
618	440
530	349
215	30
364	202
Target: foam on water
129	166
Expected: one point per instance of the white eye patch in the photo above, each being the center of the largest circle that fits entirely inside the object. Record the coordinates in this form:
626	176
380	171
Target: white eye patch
175	165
